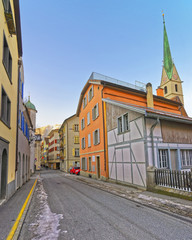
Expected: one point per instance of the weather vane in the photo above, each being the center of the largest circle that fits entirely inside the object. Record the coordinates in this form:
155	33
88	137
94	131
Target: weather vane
163	16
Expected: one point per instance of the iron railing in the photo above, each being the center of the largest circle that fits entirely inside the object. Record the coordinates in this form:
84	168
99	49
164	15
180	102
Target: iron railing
175	179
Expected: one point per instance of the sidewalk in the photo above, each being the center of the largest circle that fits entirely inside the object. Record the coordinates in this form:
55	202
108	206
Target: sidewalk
163	202
10	209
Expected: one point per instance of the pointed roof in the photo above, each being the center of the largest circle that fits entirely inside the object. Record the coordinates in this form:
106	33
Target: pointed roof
167	59
30	105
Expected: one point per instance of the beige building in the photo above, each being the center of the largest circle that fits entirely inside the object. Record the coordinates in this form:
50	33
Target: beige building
53	159
10	53
37	151
69	143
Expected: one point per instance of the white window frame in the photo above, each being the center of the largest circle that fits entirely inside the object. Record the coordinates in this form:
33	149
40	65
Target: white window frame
82	123
163	158
90	96
96	141
83	143
123	123
186	158
95	112
85	101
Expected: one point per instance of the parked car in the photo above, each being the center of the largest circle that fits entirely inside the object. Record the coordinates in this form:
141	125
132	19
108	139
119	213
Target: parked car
77	172
73	169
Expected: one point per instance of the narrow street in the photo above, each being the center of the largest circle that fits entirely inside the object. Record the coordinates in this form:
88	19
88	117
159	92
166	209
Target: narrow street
63	208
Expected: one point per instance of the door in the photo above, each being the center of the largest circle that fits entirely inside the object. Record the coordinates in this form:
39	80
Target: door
4	175
173	153
98	167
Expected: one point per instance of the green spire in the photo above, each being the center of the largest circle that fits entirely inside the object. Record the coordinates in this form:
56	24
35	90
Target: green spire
168	63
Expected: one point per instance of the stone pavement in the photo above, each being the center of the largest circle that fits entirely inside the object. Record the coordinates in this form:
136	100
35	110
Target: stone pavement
158	201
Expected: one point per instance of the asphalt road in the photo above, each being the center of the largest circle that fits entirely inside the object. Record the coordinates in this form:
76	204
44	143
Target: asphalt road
10	210
63	208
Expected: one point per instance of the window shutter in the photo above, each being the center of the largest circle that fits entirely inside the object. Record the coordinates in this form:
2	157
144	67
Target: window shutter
98	136
93	138
73	152
97	110
92	113
92	91
89	96
85	163
73	127
81	163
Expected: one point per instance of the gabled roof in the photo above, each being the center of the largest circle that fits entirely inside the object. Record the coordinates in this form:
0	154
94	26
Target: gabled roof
66	121
100	79
151	113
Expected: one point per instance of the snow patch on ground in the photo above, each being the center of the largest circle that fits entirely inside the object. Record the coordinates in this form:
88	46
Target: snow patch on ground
164	201
46	224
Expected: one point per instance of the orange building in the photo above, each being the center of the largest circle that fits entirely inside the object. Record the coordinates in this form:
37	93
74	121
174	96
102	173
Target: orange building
91	111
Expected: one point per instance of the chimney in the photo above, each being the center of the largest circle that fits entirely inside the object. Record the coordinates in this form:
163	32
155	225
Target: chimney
149	95
160	92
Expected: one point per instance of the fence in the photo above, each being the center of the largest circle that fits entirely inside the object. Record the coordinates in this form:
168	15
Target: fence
174	179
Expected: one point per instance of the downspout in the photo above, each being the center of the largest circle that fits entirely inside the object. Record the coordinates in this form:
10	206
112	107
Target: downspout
17	130
152	141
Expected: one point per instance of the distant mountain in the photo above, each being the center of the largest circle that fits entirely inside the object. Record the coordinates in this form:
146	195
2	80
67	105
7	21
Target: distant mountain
44	131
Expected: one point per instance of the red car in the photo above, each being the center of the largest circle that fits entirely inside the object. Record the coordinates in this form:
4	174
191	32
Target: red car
77	172
73	169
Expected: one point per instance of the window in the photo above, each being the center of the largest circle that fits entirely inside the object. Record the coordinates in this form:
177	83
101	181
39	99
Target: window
88	118
83	143
7	59
76	127
7	6
82	123
89	140
84	101
76	152
90	94
163	158
5	108
76	139
96	137
123	123
95	112
89	164
186	158
84	163
165	90
176	89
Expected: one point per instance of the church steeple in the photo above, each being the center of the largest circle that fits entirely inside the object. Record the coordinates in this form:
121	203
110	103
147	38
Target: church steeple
167	59
170	80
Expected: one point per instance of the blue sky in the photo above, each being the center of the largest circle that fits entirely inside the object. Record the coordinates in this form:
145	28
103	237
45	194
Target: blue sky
63	43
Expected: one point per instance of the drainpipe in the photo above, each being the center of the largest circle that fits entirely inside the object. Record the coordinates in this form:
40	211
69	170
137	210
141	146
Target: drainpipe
152	141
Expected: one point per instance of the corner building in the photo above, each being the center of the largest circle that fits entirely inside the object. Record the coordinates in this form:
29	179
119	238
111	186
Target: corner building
10	52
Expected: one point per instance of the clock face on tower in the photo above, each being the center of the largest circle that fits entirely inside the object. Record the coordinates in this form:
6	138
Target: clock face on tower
175	76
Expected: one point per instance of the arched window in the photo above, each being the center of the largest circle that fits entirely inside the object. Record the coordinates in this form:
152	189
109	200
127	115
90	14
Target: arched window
176	89
165	89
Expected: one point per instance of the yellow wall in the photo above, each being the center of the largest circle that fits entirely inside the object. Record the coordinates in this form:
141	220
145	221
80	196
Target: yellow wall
11	90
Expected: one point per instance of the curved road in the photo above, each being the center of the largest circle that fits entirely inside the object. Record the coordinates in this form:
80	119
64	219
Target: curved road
62	208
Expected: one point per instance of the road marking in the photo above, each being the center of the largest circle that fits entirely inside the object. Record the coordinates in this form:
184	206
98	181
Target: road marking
14	228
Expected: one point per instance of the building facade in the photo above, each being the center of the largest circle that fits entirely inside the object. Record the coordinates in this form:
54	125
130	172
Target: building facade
10	52
69	143
54	152
32	113
24	126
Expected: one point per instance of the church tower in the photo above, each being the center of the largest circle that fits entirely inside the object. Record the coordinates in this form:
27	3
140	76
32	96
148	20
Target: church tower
170	80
